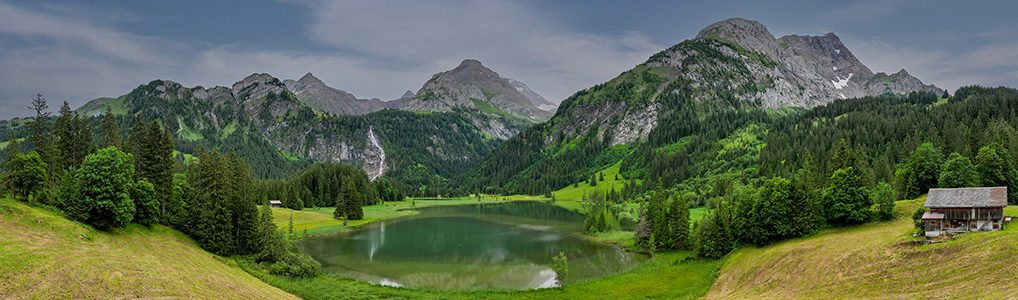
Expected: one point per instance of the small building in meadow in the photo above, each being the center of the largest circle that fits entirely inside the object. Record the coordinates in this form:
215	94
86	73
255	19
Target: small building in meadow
964	210
275	203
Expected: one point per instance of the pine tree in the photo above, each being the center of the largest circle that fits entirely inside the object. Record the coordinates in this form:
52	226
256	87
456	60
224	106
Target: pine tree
41	139
245	213
65	133
678	222
214	219
12	150
110	134
656	214
266	228
600	176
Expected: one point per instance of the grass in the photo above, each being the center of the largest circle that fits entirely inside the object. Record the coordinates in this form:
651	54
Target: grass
97	107
576	193
668	278
46	256
875	260
226	131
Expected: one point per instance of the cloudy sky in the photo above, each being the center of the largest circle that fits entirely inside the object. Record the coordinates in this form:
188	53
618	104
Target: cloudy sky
72	51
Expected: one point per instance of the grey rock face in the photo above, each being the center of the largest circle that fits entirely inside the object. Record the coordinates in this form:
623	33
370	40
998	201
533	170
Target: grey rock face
791	70
317	95
472	86
533	96
257	86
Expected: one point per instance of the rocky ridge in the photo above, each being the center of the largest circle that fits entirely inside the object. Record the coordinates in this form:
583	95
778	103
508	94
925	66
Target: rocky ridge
790	70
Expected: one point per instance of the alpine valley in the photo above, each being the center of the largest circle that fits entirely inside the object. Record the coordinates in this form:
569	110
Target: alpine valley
732	165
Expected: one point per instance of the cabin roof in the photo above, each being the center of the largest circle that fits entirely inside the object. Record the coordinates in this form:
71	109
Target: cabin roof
275	202
967	197
929	215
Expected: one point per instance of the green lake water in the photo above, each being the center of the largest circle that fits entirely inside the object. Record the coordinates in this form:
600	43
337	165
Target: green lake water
493	246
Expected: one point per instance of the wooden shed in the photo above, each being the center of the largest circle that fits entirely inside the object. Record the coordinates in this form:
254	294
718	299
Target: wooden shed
275	203
964	210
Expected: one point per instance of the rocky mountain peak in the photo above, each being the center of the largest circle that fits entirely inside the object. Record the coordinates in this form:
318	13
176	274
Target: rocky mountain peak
747	33
791	70
409	94
257	85
473	86
310	78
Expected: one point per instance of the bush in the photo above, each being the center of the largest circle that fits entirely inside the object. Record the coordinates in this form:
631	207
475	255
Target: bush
917	220
295	265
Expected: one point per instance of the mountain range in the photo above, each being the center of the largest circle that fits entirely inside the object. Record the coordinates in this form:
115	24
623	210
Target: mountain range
729	70
455	124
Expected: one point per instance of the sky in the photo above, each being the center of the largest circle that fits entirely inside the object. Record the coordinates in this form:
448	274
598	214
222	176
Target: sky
75	51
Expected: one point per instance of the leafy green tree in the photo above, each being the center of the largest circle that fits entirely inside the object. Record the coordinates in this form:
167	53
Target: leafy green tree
846	199
105	182
917	220
995	168
27	175
561	267
958	172
146	207
770	219
883	197
922	171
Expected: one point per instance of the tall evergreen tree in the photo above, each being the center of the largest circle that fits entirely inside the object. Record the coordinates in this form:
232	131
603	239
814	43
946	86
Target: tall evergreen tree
656	215
109	136
678	223
244	211
211	208
41	139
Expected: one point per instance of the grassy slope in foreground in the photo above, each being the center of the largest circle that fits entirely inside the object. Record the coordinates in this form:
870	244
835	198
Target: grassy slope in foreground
46	256
875	260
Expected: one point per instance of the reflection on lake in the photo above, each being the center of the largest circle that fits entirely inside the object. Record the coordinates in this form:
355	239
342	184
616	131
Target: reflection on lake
492	246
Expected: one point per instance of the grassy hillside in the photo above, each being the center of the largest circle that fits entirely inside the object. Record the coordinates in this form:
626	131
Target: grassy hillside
46	256
875	260
575	193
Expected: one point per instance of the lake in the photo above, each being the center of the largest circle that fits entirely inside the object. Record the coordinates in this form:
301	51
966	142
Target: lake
491	246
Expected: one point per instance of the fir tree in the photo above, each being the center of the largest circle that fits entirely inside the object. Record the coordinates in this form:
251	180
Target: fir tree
41	139
109	135
678	222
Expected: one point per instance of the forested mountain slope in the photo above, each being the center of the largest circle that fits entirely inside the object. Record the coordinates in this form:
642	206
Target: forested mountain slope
697	108
280	127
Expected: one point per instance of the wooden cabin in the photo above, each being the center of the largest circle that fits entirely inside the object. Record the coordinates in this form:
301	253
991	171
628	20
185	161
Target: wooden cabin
964	210
276	203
